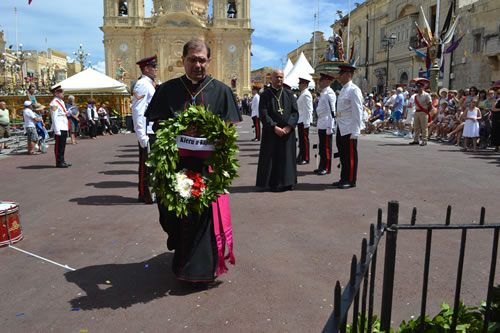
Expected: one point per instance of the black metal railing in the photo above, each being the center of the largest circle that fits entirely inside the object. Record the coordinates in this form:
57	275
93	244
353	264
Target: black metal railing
362	278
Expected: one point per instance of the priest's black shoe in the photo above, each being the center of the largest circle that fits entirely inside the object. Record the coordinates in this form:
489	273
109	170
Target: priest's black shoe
337	183
347	185
322	172
302	162
62	165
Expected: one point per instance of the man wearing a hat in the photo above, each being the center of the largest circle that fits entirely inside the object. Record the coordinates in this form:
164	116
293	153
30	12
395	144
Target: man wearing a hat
305	107
423	107
143	91
60	125
277	168
255	112
325	112
30	120
349	125
196	252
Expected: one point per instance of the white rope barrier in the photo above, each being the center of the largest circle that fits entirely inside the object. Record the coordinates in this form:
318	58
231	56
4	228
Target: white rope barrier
39	257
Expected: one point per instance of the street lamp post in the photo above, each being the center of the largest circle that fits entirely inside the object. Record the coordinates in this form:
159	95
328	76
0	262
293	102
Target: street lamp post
21	58
389	43
81	56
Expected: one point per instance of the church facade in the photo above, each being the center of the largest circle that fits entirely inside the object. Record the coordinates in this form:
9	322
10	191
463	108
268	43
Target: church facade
130	36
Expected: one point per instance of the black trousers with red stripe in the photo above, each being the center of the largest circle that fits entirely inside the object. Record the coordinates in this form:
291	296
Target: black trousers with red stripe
325	150
348	151
60	147
256	125
303	142
144	172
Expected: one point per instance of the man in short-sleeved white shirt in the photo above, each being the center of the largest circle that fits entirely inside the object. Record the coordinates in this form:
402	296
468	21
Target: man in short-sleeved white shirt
30	120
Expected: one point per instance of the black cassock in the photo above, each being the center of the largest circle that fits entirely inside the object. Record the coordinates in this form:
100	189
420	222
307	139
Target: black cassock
277	158
193	237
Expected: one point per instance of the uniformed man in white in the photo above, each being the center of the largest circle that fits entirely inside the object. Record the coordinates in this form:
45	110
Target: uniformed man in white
305	106
60	125
255	112
326	123
349	126
143	91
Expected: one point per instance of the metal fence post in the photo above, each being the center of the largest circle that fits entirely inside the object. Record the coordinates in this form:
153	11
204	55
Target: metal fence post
389	266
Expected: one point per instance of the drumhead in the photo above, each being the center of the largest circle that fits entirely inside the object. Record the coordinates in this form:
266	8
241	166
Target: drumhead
8	206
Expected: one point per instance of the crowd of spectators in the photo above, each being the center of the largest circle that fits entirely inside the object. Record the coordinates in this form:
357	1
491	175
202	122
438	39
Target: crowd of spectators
84	120
468	118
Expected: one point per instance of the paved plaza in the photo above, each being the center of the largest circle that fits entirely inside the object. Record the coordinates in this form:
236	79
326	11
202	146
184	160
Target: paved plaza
290	247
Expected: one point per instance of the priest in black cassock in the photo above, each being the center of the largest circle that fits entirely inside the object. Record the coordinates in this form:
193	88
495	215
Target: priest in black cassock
278	114
193	237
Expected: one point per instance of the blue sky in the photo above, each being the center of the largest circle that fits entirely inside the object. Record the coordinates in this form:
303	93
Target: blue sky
66	24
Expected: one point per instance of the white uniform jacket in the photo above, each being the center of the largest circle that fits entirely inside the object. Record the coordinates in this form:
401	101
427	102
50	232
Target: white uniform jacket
141	96
326	106
255	106
350	110
59	116
305	106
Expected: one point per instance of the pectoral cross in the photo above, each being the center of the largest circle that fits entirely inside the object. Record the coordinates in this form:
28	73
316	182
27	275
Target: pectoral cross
280	110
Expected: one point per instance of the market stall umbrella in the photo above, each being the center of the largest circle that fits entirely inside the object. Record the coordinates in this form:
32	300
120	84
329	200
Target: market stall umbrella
91	81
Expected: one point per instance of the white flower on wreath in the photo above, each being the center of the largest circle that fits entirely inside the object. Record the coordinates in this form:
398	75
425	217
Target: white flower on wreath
183	185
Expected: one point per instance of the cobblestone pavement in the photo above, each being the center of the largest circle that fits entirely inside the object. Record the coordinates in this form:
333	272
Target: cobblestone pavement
290	247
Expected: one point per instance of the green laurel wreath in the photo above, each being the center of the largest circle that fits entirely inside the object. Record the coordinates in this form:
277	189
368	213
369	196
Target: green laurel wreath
164	157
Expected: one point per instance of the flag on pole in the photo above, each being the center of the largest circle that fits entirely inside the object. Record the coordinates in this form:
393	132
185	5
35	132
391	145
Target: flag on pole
453	46
421	36
29	2
419	53
447	21
427	29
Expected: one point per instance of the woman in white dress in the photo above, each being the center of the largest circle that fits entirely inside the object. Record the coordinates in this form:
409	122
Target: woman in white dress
471	127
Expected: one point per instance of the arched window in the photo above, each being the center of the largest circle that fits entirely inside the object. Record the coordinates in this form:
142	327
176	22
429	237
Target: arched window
123	8
403	79
231	9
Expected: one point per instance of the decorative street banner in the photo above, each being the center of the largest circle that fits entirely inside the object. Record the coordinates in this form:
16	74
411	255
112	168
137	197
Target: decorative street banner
192	143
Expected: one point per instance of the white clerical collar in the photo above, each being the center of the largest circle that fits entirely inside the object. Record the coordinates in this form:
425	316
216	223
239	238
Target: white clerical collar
195	82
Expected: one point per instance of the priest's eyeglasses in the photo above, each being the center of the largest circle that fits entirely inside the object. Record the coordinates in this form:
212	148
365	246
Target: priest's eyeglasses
194	60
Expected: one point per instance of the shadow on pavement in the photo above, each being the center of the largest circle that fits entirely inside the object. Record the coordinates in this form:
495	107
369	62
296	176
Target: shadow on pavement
249	155
117	286
113	184
119	172
243	189
36	167
121	162
105	200
128	146
128	150
249	149
128	156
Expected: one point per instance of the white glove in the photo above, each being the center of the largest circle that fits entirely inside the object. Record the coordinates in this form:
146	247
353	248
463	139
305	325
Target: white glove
354	136
58	133
144	141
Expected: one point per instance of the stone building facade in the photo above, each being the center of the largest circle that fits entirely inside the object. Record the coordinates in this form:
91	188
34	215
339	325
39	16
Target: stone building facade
475	62
130	36
313	50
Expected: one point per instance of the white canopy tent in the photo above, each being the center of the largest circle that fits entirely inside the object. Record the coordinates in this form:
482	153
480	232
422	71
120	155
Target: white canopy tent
303	69
288	67
91	81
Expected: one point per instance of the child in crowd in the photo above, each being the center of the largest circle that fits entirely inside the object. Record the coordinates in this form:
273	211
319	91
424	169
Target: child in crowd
471	127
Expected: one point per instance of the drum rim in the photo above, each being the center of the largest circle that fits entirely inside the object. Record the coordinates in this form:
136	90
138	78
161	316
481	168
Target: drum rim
13	208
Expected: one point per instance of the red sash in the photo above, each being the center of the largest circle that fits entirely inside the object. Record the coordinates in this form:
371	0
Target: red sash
422	109
66	112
